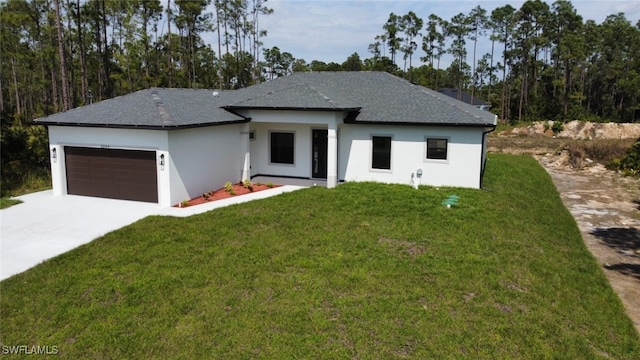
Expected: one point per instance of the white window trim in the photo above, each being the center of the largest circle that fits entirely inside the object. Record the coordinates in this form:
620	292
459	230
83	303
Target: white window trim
437	161
294	147
371	168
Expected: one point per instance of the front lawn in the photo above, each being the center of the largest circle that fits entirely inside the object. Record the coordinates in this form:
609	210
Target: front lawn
363	271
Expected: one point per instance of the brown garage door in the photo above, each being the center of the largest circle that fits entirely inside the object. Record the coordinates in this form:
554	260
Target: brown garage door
112	173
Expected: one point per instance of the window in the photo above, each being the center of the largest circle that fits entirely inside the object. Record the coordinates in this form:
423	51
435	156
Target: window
282	147
381	157
437	149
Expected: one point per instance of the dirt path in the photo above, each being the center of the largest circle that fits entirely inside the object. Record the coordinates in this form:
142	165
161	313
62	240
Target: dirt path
606	207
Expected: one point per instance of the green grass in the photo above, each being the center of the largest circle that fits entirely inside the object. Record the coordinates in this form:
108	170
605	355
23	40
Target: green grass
366	271
7	202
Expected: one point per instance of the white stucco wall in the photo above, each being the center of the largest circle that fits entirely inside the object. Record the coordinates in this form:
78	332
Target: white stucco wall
408	154
135	139
204	159
196	160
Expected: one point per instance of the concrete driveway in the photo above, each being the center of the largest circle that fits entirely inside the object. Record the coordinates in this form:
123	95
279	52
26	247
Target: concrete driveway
45	226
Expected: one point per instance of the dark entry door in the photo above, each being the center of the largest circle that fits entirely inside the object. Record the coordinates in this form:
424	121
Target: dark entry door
112	173
319	154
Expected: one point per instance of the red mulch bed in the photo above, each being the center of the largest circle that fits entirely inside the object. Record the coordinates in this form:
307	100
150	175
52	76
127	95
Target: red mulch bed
222	193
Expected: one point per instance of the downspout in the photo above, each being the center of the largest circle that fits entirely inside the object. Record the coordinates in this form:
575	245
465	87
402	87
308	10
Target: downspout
483	159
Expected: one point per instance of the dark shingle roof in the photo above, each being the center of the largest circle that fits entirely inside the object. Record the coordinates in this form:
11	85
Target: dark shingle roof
381	97
151	108
463	96
369	97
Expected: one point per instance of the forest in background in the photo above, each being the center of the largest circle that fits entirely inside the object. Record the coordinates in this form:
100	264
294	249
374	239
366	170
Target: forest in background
546	61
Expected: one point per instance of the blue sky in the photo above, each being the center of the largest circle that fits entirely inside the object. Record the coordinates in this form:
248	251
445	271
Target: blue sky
331	30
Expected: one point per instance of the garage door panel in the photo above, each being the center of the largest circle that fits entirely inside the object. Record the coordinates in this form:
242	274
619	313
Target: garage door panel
112	173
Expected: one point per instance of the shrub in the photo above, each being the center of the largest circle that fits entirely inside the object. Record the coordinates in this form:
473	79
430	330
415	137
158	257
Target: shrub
246	183
600	151
228	186
629	164
557	127
269	184
185	203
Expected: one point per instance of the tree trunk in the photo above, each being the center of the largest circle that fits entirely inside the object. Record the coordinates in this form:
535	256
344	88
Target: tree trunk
473	72
54	90
99	49
15	85
106	55
493	42
63	67
73	96
219	46
504	83
170	56
83	59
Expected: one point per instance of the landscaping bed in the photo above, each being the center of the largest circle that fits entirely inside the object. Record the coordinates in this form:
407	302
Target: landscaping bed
229	190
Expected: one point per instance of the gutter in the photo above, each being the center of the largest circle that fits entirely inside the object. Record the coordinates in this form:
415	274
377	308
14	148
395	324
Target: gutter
143	127
484	135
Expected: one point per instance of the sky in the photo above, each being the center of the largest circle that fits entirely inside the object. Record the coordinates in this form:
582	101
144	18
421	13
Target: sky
331	30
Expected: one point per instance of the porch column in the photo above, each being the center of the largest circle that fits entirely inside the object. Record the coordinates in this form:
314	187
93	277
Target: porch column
332	155
246	149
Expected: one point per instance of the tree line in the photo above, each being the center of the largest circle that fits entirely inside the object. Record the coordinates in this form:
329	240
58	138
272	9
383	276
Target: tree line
545	62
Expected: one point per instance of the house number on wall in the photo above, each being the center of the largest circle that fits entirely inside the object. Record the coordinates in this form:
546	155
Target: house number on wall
104	146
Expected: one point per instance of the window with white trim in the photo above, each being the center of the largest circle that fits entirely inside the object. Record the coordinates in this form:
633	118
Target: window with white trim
437	149
381	152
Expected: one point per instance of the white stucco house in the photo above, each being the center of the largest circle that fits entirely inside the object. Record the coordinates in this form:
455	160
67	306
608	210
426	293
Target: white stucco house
167	145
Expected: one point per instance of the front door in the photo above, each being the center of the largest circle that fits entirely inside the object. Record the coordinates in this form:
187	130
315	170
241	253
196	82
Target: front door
319	154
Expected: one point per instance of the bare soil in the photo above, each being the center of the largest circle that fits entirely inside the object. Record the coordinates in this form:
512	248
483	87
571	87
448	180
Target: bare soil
605	204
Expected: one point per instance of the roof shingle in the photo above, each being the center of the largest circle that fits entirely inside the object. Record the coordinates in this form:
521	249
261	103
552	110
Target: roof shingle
371	97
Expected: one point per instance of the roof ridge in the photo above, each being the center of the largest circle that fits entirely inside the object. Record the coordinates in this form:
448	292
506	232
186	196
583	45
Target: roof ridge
162	110
327	98
263	95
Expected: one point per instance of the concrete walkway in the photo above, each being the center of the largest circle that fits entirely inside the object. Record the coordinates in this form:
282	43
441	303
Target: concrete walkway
45	226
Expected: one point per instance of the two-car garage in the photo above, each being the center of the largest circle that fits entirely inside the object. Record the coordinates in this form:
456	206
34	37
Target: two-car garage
112	173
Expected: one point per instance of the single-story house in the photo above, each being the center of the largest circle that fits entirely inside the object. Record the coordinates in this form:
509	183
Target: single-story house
465	97
168	145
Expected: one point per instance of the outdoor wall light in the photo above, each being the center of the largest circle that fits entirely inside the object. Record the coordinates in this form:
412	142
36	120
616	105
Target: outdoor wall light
54	155
419	173
161	161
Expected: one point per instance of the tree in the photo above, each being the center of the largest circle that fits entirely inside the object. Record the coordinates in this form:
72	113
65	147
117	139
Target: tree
503	21
278	63
459	27
433	43
392	28
353	63
192	18
299	65
411	25
63	59
532	18
478	21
